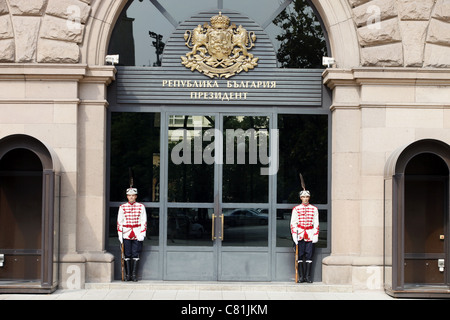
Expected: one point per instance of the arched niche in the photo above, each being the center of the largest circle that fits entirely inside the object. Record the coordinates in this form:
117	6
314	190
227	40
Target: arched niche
29	215
416	215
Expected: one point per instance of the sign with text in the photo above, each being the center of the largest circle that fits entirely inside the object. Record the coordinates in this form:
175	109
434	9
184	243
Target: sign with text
279	88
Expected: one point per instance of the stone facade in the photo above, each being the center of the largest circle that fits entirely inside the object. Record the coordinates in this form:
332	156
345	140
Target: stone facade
390	88
390	33
43	31
375	111
403	33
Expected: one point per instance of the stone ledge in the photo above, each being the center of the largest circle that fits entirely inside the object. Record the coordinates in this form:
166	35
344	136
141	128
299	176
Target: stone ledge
379	75
57	71
221	286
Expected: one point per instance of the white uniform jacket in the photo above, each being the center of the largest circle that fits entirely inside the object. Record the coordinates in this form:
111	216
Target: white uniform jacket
305	223
132	221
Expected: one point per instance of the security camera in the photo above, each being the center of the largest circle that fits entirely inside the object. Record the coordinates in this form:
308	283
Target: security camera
113	59
328	62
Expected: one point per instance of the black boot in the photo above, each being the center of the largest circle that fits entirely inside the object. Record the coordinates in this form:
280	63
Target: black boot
127	270
308	272
135	266
301	272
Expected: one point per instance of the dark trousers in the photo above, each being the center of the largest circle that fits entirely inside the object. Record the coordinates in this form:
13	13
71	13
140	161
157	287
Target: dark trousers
305	249
132	248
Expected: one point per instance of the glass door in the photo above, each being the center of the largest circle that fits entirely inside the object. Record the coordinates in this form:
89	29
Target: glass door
217	223
191	252
244	198
218	204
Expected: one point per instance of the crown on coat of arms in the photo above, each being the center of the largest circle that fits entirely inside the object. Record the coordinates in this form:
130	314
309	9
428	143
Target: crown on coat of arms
220	21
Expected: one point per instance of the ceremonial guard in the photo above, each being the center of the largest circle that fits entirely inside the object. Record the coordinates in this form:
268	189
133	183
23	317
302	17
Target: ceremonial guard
131	228
305	233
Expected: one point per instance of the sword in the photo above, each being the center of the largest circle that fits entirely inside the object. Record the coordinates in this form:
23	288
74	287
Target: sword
302	182
122	256
122	261
296	262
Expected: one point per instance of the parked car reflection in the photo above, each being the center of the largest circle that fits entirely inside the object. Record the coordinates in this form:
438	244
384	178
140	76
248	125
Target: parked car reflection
245	217
186	224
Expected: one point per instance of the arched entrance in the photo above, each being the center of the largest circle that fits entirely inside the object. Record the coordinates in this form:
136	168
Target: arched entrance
29	216
416	220
336	16
213	215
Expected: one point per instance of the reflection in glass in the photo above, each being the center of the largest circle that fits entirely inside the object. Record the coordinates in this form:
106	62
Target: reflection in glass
152	238
189	226
191	174
284	238
301	41
142	30
135	140
246	227
303	149
131	38
246	143
182	10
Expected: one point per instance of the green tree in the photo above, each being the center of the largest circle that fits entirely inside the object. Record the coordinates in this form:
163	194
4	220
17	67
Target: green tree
302	40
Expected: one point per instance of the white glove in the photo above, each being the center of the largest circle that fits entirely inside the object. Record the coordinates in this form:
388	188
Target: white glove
140	237
120	237
295	238
315	238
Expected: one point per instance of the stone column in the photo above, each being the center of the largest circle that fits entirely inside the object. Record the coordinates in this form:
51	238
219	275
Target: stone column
92	174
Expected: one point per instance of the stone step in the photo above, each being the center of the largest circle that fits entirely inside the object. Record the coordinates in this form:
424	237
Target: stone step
221	286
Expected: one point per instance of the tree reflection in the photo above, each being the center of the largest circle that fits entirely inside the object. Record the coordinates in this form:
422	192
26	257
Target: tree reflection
303	149
302	42
135	144
244	182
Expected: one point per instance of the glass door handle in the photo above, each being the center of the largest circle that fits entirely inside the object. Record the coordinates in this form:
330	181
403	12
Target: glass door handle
213	227
222	235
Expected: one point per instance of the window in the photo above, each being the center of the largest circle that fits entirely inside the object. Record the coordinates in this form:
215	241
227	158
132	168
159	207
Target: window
135	146
145	26
303	149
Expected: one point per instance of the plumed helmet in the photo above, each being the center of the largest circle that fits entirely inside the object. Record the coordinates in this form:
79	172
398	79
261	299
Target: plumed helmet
305	193
132	191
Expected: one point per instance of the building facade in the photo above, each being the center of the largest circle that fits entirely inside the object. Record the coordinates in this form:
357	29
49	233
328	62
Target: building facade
370	134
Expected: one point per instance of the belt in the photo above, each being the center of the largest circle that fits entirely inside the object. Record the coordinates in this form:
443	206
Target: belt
131	225
305	228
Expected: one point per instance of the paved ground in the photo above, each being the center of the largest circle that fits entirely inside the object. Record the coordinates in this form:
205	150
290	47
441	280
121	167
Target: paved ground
149	290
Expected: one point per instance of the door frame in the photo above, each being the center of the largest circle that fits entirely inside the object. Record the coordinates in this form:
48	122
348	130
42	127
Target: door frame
430	256
394	220
49	252
154	257
217	251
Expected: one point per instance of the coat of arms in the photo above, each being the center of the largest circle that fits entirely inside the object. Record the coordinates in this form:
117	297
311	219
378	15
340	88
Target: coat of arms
219	50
